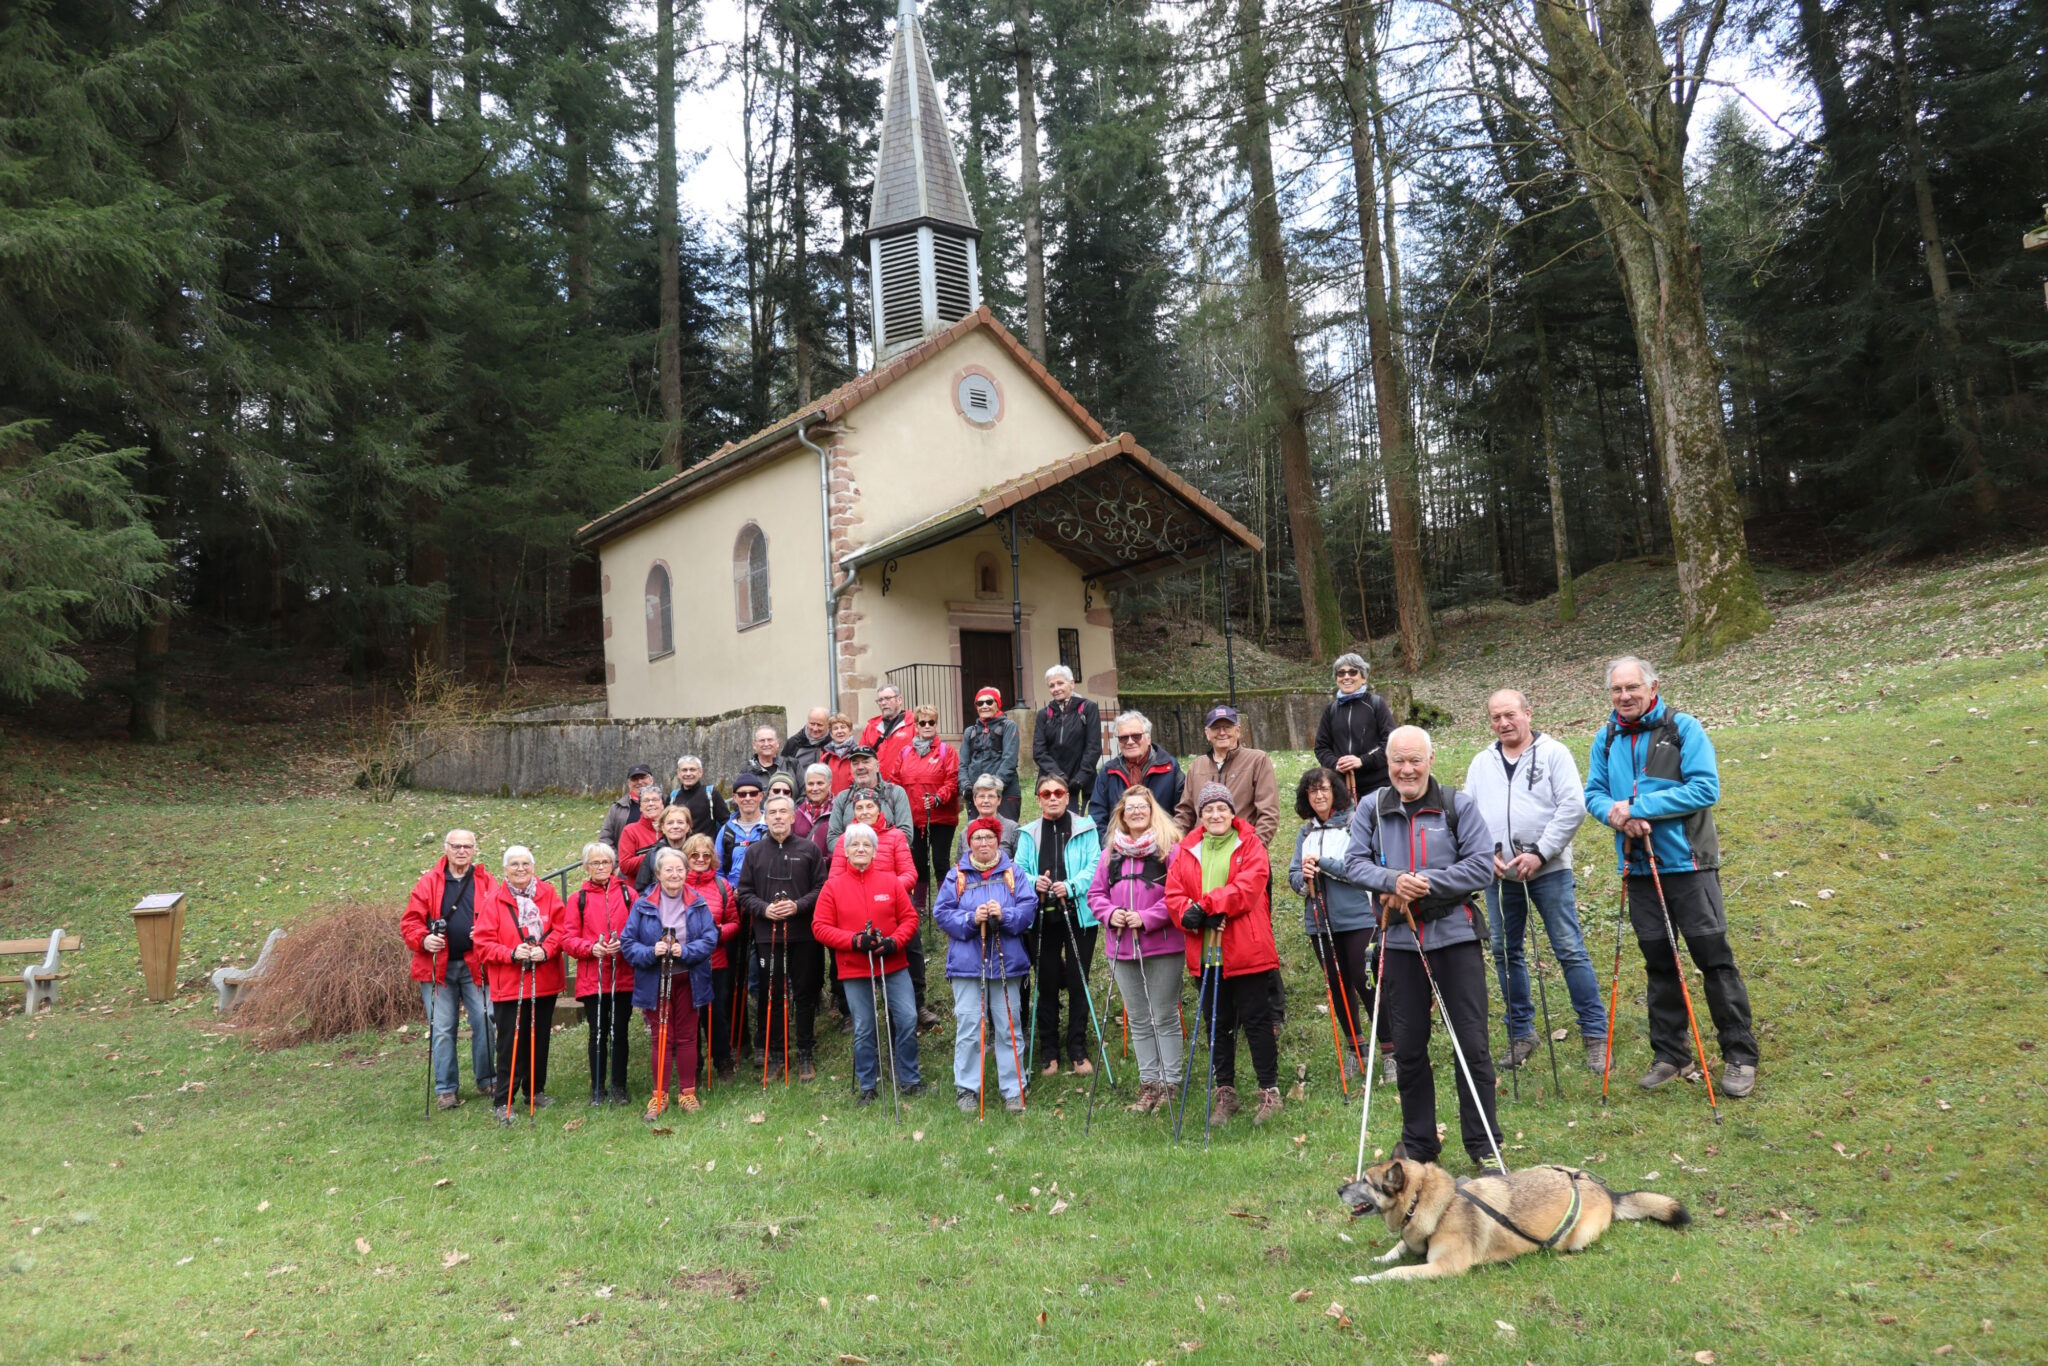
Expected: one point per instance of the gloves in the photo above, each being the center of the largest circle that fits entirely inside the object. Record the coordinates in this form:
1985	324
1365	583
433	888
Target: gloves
867	941
886	946
1194	919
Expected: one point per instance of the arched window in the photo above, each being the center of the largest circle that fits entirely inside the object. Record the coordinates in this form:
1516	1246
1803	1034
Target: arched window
661	619
750	577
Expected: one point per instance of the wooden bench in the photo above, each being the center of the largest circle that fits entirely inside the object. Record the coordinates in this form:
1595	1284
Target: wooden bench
41	979
234	984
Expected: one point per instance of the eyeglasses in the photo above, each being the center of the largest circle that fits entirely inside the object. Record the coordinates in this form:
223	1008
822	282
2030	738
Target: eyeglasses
1059	792
452	845
1130	739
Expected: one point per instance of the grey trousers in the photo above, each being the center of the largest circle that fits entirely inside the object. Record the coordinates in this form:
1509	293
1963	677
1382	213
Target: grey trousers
1152	1000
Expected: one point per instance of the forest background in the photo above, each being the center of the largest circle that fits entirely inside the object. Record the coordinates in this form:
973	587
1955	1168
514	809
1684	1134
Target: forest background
323	325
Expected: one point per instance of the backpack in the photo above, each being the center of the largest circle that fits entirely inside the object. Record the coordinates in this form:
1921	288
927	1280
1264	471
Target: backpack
960	880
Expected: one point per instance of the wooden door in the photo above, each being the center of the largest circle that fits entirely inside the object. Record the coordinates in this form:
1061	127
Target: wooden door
986	662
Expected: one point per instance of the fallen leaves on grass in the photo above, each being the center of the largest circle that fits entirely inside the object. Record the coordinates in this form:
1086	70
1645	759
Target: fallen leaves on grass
453	1258
363	1247
446	1180
1301	1296
1704	1358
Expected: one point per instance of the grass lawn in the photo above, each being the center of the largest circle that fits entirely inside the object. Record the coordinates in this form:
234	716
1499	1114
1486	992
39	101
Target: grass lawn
166	1192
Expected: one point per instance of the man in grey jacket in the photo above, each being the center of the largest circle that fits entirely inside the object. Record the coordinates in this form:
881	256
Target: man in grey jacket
1425	852
1527	784
867	772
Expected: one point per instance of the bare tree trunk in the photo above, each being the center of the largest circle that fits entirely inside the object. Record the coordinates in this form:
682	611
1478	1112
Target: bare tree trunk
1567	602
1027	184
1321	616
1389	369
799	228
1624	116
428	565
669	357
1958	416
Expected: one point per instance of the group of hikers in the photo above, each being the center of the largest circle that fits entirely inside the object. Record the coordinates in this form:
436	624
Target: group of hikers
727	918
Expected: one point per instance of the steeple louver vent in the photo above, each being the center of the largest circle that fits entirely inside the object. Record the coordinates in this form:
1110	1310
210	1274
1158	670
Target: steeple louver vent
922	260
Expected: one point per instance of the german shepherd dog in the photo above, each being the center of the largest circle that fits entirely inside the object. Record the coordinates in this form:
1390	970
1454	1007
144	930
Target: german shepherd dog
1458	1224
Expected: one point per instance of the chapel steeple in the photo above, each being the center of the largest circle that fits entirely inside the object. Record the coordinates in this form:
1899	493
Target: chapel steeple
923	270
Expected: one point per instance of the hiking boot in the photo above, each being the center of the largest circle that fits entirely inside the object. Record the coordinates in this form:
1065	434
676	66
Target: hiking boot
656	1105
912	1091
1051	1068
487	1088
1269	1104
1152	1098
806	1070
502	1113
543	1101
1738	1079
1486	1166
1596	1056
724	1071
1389	1076
1660	1072
968	1101
447	1100
621	1096
1226	1105
688	1100
1013	1105
1519	1051
865	1098
1081	1068
927	1018
597	1095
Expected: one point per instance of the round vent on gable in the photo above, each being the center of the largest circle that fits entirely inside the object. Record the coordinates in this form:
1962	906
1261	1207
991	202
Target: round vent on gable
979	400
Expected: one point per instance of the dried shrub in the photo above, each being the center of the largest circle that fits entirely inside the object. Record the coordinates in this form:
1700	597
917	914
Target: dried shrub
435	713
340	972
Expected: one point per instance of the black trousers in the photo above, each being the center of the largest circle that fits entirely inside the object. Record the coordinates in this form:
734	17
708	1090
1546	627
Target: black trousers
525	1025
797	960
1460	972
731	1009
1060	964
606	1018
1247	1001
1701	920
717	1021
1347	968
931	852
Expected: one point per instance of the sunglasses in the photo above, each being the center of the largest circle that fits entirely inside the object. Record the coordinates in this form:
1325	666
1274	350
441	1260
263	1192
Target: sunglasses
1052	792
1130	739
922	724
984	703
1350	673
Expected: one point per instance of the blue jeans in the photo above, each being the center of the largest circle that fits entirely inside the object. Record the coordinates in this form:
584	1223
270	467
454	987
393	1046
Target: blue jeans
442	1020
1004	1033
902	1002
1507	909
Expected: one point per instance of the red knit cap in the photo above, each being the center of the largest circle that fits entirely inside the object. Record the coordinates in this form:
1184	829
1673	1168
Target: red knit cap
988	823
996	693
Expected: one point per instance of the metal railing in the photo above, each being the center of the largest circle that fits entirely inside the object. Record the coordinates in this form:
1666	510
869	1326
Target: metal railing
936	685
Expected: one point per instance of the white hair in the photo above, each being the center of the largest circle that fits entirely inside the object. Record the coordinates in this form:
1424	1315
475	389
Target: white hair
596	847
778	797
689	759
447	838
860	833
516	851
989	782
818	771
1519	696
1137	716
1648	670
664	854
1059	671
1403	732
769	729
1351	661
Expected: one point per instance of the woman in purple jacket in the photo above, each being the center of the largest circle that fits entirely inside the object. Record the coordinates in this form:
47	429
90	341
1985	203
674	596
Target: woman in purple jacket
1147	950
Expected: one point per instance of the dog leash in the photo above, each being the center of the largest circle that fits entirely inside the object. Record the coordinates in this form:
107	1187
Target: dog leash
1564	1227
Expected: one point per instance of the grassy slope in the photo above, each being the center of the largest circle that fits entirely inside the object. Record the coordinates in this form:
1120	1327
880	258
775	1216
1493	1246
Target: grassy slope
1899	1017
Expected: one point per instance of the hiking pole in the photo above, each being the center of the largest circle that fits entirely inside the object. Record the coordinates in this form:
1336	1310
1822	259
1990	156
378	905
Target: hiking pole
1010	1016
1542	992
1037	969
532	994
788	998
1372	1052
1323	955
1500	971
512	1069
1087	996
876	987
767	1007
1193	1037
1096	1084
1614	991
1657	880
982	1091
1212	947
434	1016
662	989
1457	1049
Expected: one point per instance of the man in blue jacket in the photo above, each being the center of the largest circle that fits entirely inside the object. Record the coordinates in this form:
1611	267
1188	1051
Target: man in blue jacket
1653	777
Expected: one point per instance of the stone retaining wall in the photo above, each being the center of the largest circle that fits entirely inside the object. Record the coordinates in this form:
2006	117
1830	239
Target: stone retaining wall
520	757
1273	718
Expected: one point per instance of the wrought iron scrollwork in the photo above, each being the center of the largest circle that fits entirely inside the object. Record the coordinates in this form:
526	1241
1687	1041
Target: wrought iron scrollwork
1114	526
888	569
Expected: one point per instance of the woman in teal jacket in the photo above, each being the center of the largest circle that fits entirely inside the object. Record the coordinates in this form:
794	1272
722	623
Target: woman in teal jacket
1058	853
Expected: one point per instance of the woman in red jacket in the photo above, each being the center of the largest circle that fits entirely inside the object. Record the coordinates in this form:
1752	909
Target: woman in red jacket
1217	883
928	771
641	835
865	917
700	858
519	933
604	979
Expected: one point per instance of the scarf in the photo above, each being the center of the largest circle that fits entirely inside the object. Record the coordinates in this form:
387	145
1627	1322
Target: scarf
1134	846
843	749
1215	852
1358	696
923	744
674	910
980	867
528	913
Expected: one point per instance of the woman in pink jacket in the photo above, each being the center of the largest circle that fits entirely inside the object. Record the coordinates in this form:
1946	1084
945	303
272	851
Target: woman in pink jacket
604	979
1146	946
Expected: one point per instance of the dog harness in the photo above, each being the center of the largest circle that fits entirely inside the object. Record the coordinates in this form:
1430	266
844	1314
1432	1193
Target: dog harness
1565	1225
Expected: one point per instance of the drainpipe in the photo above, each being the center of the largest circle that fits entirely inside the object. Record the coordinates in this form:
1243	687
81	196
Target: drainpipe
832	589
